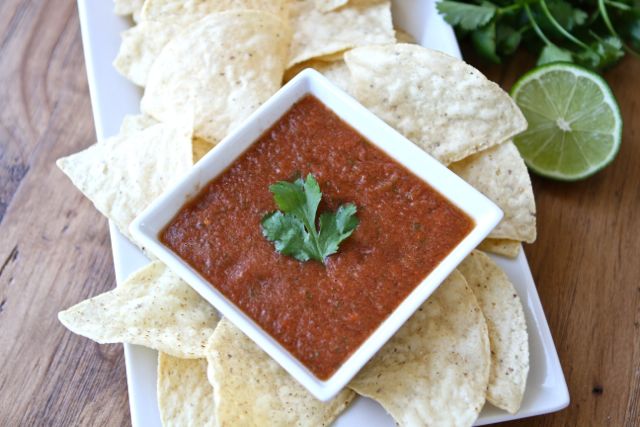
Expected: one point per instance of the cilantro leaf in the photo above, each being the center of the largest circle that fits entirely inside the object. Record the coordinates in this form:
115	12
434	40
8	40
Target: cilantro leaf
601	54
288	235
507	38
634	34
335	227
579	16
553	53
484	40
466	16
593	33
293	229
564	14
299	198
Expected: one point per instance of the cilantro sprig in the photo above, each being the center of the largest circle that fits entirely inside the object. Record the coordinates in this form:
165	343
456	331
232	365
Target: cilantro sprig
592	33
292	229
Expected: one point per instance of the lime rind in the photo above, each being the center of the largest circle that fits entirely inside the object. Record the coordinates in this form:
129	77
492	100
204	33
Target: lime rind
591	113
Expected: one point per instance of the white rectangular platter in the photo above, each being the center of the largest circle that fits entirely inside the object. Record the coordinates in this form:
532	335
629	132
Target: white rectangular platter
112	97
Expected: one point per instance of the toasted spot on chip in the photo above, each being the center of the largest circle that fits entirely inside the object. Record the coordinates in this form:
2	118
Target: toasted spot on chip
435	370
185	397
336	71
221	69
443	105
504	247
128	7
153	308
124	174
329	5
331	57
508	336
500	174
404	37
250	387
200	148
358	23
140	47
183	12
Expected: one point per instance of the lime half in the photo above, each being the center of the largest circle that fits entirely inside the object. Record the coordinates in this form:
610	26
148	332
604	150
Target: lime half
575	125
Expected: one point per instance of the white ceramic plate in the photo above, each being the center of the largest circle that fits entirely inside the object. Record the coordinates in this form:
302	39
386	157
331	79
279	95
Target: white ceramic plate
112	97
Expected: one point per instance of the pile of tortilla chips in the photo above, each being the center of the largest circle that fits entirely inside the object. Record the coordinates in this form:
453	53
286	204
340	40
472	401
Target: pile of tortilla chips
205	66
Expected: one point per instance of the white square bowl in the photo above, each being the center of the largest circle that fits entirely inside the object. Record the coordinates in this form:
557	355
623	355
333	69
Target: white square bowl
146	228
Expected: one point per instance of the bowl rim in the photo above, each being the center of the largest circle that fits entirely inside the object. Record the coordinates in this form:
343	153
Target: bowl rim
485	214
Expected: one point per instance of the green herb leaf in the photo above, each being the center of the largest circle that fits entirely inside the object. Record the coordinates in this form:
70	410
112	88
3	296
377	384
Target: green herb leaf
552	53
293	231
586	32
579	17
467	16
563	13
610	51
634	34
507	39
484	40
335	227
288	235
601	54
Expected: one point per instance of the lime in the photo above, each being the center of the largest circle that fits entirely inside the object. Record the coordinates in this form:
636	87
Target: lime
575	125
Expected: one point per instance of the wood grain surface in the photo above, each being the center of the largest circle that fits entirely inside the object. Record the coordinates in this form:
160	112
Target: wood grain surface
55	250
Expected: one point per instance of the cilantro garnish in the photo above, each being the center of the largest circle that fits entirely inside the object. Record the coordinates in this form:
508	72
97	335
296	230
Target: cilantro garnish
292	229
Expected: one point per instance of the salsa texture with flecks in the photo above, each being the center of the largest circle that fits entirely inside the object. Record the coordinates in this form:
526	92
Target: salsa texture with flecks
320	313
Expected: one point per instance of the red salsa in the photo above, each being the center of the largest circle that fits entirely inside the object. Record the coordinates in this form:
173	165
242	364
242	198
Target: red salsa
320	313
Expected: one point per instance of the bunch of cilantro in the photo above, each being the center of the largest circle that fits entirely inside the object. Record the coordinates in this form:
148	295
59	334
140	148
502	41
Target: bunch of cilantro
592	33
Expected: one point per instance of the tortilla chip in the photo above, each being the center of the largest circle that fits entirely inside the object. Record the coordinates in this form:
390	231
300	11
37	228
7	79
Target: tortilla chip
435	370
329	5
439	102
504	247
184	13
128	7
140	47
507	330
131	124
200	148
221	69
332	57
403	37
185	397
337	72
136	123
162	20
124	174
501	175
317	33
250	387
153	308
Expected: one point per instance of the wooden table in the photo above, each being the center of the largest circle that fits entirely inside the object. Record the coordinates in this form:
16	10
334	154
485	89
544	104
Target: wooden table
55	249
